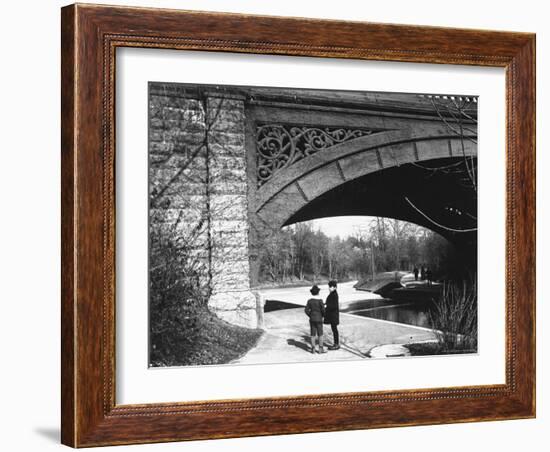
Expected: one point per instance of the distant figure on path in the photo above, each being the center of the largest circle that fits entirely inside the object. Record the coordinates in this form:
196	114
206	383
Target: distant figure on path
315	310
415	271
429	276
332	314
423	273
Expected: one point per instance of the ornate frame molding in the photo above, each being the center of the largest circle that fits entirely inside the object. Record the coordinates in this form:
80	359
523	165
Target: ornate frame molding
90	37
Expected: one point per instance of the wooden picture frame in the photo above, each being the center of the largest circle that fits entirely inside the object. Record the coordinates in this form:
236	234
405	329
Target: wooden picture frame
90	36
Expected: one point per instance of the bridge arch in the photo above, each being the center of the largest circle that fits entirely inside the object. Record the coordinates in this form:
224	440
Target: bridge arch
294	187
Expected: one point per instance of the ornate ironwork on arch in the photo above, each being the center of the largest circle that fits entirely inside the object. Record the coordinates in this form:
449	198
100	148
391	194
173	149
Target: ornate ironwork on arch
279	146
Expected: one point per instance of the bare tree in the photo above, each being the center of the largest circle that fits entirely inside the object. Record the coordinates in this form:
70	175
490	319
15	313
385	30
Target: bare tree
459	116
318	252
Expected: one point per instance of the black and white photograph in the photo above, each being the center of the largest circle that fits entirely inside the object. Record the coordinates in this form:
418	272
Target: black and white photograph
299	225
237	225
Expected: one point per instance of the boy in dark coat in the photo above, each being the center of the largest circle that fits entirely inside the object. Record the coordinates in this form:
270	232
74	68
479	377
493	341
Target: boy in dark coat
332	314
315	310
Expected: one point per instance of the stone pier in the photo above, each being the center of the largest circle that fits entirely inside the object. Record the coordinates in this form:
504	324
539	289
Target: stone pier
231	297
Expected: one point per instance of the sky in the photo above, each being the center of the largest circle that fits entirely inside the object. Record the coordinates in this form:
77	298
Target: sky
341	226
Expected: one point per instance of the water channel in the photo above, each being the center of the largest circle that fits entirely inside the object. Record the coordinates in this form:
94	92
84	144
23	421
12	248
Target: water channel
414	313
358	303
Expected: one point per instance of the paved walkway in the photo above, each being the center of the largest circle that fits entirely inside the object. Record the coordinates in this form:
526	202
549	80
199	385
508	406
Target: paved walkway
286	338
299	295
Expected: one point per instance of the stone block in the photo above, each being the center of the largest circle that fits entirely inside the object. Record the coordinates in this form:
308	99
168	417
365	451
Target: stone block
161	176
470	148
195	202
224	149
197	229
232	175
162	147
225	102
397	154
171	215
182	188
183	146
228	225
229	271
229	248
432	149
222	175
236	188
228	139
175	100
320	181
180	124
356	165
278	209
200	254
233	126
171	113
219	154
225	162
181	137
226	119
229	283
229	266
233	300
229	207
193	158
222	113
237	308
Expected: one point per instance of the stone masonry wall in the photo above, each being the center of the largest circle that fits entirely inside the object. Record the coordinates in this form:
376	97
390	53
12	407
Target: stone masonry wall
178	166
198	188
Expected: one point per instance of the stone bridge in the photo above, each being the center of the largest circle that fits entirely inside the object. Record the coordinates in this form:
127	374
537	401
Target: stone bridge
235	163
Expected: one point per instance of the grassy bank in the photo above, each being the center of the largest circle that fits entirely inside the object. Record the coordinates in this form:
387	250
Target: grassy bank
201	339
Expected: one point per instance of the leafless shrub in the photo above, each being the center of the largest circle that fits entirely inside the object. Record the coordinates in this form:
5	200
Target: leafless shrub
454	316
177	285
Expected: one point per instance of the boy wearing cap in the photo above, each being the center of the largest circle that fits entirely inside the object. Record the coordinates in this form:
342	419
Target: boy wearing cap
315	310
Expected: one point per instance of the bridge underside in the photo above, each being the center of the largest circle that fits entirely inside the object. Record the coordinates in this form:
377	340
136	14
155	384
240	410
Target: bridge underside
432	194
